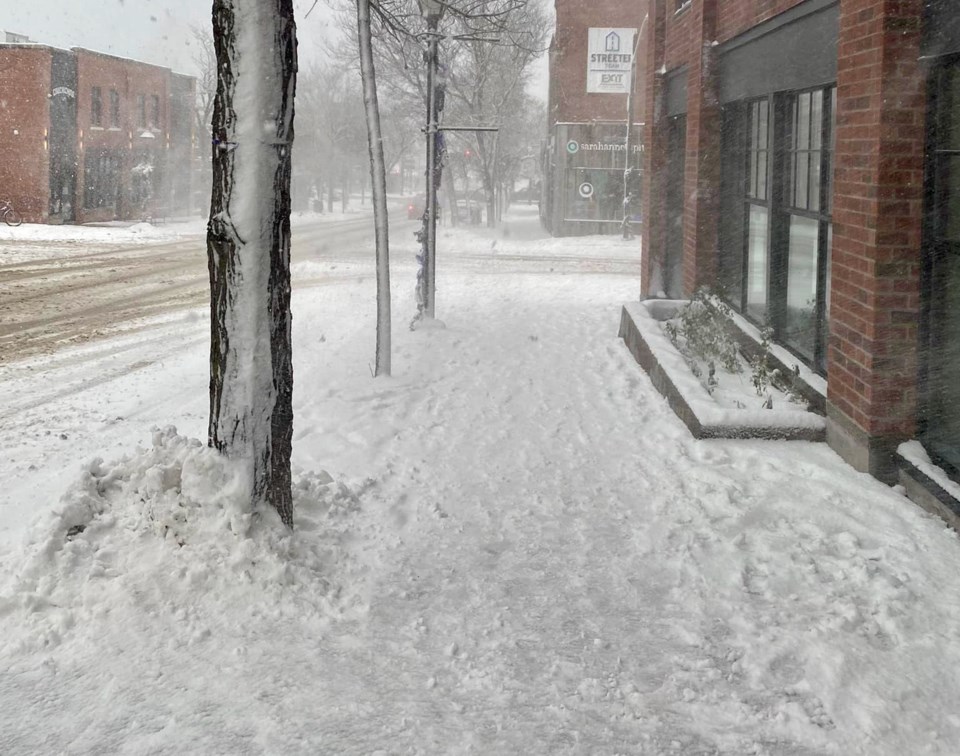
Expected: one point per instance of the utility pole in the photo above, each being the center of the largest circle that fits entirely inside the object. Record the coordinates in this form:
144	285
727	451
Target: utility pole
432	11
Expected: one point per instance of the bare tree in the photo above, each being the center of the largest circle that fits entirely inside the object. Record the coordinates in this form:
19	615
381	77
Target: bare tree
205	60
378	174
331	116
487	60
248	244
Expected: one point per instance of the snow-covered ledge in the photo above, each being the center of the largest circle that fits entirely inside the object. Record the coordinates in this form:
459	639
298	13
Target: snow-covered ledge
651	347
927	484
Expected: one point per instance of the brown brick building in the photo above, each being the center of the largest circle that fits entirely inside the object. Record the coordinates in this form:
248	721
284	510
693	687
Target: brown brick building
591	61
91	137
801	157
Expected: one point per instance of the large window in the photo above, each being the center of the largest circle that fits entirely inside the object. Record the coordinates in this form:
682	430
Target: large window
96	107
807	200
593	172
758	210
101	179
154	112
114	109
776	225
940	417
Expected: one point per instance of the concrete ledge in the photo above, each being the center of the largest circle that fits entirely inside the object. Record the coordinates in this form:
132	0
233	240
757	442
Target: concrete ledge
928	489
652	349
865	453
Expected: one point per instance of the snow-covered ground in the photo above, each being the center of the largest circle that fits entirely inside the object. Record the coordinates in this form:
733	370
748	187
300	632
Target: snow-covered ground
511	546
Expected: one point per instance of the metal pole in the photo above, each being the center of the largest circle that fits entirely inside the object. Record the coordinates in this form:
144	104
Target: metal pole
430	262
628	140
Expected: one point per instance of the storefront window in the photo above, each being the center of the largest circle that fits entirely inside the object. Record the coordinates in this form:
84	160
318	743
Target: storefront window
594	164
785	227
101	172
809	130
758	210
941	407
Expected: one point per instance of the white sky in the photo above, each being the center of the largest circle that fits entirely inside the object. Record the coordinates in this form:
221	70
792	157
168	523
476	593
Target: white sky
156	31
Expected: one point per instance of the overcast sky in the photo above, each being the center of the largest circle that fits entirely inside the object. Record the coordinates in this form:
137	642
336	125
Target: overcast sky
155	31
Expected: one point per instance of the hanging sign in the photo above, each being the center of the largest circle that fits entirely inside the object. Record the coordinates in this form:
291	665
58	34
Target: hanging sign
609	60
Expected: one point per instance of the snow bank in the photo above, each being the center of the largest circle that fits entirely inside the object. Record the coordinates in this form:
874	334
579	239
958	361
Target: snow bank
170	530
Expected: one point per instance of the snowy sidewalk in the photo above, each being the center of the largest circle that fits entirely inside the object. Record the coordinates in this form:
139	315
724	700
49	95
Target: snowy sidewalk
529	554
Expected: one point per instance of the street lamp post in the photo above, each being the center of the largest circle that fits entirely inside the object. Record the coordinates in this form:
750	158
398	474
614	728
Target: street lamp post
432	11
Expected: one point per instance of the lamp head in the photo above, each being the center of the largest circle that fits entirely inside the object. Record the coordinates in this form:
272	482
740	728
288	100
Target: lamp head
431	10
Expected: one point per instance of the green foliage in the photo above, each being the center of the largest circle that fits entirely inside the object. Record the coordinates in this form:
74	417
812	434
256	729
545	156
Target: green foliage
762	373
702	332
703	324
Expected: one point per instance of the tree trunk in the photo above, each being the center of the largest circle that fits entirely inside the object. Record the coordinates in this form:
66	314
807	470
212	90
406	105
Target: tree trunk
248	244
378	188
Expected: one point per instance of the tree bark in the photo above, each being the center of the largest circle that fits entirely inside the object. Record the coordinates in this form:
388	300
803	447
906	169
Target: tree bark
378	181
248	245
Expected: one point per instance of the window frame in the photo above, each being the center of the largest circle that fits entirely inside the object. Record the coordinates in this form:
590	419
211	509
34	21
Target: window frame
780	155
822	215
749	201
114	109
154	122
936	252
96	107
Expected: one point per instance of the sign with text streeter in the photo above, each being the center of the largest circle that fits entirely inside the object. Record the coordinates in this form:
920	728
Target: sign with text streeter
609	60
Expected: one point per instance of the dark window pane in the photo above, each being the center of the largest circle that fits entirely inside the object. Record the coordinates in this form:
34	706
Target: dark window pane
825	332
114	108
950	197
96	107
950	110
943	429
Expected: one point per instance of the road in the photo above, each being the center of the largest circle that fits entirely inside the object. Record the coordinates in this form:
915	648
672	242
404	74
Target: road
74	298
74	294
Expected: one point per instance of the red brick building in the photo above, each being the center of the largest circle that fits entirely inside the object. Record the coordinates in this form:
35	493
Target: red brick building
91	137
592	56
801	157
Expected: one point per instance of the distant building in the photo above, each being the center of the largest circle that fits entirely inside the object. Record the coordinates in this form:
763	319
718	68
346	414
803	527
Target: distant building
12	38
584	156
92	137
802	159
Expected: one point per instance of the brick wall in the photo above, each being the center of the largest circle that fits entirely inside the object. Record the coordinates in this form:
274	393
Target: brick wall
24	120
569	100
878	198
130	79
681	34
702	180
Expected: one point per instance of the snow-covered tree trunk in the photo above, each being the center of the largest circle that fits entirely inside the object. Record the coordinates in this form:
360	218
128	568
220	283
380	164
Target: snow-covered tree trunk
248	244
378	175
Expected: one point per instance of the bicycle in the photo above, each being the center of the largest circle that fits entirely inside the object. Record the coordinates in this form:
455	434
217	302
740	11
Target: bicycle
10	216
